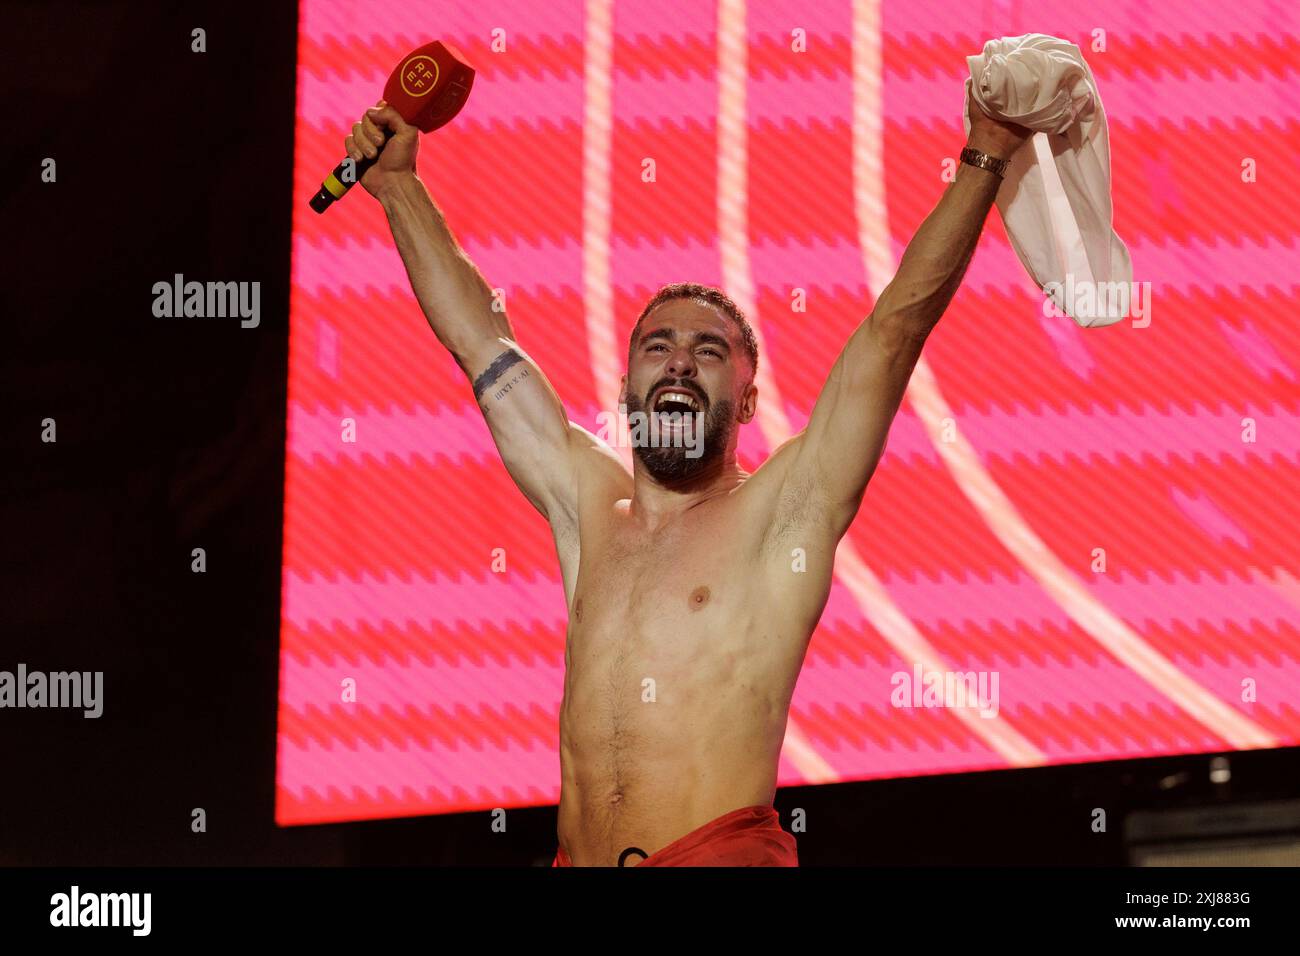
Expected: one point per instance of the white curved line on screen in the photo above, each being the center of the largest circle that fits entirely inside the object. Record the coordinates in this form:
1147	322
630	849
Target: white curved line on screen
926	398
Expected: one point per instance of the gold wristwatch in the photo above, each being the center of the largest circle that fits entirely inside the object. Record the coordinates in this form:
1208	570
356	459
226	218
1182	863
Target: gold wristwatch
974	157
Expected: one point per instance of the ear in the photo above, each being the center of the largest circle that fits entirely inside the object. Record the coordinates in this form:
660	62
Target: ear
622	390
748	404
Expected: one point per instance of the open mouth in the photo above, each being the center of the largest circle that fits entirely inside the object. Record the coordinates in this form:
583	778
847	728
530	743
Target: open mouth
674	401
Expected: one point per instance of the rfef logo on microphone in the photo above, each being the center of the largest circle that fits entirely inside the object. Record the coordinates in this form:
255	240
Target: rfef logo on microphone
419	75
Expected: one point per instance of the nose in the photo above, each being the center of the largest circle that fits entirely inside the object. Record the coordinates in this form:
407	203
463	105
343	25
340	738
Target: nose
681	364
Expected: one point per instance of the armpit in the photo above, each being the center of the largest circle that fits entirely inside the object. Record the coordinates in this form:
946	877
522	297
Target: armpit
800	508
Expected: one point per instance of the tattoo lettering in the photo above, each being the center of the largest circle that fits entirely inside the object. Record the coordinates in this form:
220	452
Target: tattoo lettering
487	382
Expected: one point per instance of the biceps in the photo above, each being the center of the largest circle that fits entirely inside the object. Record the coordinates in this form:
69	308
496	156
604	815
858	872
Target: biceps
527	422
850	423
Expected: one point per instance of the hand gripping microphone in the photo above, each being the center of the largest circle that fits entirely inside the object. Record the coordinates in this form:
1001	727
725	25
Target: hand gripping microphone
427	89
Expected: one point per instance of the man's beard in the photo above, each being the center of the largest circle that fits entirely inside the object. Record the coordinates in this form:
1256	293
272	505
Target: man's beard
671	462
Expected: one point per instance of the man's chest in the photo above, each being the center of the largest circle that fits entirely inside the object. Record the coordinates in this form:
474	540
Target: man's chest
675	616
692	567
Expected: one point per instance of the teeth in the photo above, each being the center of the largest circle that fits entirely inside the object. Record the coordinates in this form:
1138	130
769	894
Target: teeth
683	397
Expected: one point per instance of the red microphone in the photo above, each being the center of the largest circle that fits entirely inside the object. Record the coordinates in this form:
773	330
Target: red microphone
427	89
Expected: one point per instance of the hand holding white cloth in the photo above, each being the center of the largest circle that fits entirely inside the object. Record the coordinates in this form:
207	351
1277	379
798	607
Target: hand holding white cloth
1055	200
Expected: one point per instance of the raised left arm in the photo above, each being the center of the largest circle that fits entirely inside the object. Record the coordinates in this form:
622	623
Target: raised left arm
826	467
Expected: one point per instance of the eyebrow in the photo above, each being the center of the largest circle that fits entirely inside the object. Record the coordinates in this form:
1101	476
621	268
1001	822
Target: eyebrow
704	338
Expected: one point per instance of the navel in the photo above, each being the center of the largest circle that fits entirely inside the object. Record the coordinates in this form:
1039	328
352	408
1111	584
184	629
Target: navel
699	598
577	611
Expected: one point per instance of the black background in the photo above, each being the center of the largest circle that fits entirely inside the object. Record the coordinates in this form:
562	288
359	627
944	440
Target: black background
171	437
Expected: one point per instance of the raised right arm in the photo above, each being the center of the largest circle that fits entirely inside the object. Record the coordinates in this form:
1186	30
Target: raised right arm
540	448
522	410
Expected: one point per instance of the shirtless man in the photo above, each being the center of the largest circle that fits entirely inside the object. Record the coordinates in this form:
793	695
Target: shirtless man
681	572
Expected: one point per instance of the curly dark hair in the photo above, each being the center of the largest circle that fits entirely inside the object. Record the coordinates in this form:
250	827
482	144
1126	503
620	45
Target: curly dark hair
693	290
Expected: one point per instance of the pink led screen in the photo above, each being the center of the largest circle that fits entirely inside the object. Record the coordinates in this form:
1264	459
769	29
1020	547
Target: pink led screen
786	161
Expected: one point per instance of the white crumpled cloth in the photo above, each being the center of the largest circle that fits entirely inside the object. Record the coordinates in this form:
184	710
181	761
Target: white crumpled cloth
1055	200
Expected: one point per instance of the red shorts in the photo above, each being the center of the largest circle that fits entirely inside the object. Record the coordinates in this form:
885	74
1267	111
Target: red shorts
751	836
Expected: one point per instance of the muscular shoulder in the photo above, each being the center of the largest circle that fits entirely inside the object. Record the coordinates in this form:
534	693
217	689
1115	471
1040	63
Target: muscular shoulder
598	470
793	546
787	503
597	478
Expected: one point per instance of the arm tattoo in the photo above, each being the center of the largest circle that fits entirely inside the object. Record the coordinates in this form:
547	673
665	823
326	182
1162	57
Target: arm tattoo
492	374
